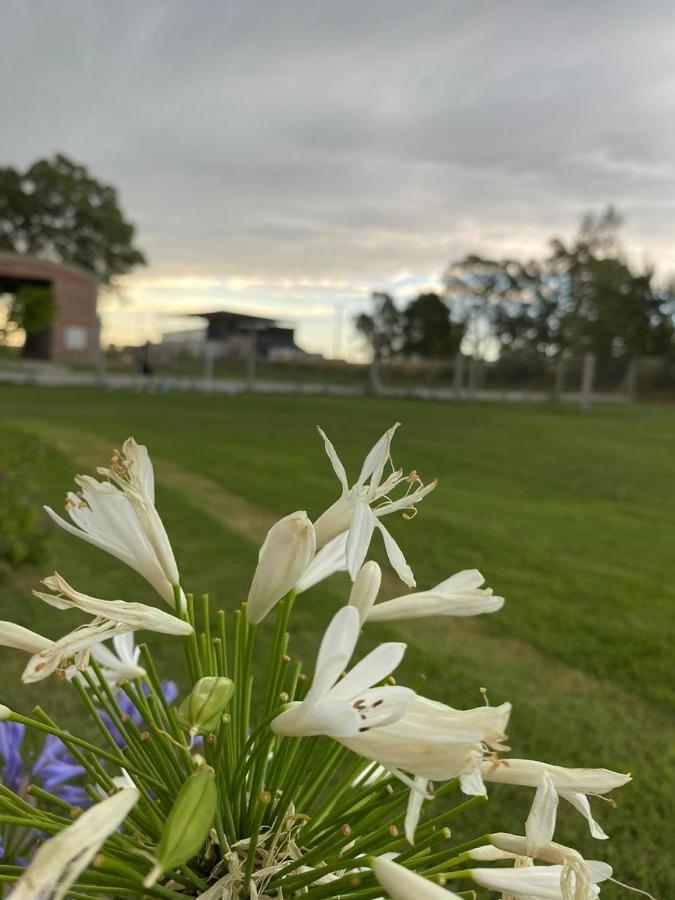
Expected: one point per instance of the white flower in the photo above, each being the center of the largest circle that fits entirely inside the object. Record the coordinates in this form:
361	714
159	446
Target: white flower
359	509
136	616
20	638
535	882
351	706
59	861
435	742
70	654
402	884
578	875
120	663
572	785
285	554
365	588
112	618
459	595
119	516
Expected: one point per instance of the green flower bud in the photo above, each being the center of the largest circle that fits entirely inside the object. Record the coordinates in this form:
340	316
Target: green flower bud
202	710
188	823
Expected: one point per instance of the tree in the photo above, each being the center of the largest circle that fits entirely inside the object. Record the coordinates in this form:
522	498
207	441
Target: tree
584	297
384	329
56	209
428	329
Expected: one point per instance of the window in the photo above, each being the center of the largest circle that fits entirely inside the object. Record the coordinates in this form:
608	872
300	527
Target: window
75	337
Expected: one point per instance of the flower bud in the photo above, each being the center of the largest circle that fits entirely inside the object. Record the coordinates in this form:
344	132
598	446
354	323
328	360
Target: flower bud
188	823
287	551
365	589
5	713
200	712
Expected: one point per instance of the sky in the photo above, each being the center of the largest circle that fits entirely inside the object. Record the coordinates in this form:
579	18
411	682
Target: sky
287	158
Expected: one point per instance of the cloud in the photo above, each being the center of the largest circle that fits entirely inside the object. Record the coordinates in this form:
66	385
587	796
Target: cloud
274	150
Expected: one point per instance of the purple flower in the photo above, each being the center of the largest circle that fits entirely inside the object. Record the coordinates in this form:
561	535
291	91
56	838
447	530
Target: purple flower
129	710
56	768
13	770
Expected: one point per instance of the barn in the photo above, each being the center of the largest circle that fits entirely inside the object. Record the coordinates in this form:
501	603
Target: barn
73	334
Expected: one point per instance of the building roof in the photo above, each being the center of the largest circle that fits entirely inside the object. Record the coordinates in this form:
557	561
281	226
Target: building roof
21	267
226	314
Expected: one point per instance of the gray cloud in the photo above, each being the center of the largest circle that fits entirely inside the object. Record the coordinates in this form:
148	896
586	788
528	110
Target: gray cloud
354	140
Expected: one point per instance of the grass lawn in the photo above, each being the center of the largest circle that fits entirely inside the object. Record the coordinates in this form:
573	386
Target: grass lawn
570	517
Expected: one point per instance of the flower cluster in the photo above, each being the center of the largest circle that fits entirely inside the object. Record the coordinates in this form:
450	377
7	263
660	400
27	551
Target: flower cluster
263	782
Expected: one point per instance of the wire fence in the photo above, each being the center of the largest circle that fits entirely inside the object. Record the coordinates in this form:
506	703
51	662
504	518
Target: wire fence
577	378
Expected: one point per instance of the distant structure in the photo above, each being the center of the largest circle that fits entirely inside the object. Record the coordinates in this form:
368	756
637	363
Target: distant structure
73	334
229	335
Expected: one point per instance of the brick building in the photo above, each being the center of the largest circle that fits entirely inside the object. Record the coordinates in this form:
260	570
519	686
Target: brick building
73	335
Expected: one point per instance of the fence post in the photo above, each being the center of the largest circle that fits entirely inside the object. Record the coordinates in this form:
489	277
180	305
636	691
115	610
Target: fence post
458	374
473	375
208	361
632	379
374	384
559	383
587	378
251	359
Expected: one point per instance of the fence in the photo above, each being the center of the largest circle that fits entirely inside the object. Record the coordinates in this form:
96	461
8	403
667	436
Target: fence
579	379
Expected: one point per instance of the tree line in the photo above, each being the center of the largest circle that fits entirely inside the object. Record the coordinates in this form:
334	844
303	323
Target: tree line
584	296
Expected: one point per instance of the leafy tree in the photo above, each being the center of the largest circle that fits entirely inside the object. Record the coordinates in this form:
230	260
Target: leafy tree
32	309
584	297
384	328
428	329
56	209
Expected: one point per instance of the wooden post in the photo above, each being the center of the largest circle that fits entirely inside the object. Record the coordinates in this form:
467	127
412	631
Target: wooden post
559	383
587	378
473	375
208	361
251	360
458	374
632	379
374	384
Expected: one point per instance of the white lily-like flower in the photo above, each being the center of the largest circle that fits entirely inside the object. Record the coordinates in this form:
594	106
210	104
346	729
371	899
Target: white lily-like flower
360	508
538	882
573	785
459	595
577	876
120	663
286	553
70	654
402	884
350	707
435	742
59	861
331	558
136	616
113	618
119	516
20	638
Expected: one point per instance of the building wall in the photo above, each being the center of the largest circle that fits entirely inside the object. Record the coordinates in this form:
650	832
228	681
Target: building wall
75	330
74	336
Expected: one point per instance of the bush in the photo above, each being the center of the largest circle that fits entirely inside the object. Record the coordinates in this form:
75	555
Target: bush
23	532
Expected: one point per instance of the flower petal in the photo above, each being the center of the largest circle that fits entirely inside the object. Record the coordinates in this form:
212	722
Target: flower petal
396	557
375	461
540	824
359	537
372	669
338	468
337	647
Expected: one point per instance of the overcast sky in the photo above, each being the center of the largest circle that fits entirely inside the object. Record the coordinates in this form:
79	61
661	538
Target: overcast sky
289	157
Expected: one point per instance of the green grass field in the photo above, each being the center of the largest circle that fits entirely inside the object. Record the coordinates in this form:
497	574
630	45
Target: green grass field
570	517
